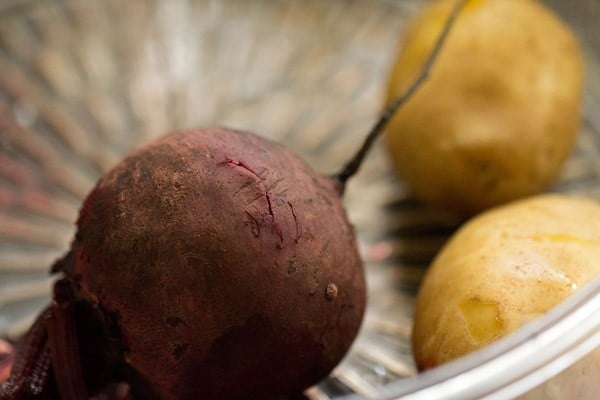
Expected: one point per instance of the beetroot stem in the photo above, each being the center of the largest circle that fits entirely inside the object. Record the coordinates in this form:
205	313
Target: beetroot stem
355	162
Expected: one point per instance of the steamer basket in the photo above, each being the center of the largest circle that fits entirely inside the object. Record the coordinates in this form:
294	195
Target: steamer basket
82	82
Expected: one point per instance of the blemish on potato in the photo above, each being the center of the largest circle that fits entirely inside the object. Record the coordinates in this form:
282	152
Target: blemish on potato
483	319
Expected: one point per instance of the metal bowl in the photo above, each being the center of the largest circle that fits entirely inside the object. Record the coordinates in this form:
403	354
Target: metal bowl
82	82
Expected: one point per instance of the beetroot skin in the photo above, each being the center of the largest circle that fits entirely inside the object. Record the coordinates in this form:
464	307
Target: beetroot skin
226	263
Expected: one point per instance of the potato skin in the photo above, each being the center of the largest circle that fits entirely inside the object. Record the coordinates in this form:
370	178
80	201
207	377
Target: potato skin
502	269
218	253
500	111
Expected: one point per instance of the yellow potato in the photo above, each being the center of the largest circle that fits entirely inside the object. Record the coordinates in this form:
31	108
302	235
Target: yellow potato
501	109
502	269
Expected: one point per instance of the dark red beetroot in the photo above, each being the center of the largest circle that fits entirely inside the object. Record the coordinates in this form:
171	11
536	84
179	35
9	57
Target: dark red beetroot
218	252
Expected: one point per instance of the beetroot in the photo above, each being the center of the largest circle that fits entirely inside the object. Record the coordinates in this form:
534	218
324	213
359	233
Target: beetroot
224	258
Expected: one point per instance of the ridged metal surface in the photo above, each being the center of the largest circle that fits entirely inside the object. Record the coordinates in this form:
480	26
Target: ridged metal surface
82	82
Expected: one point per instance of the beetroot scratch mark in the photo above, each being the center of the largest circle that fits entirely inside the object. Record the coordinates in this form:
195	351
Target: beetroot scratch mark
255	224
244	186
260	196
275	183
275	224
295	221
236	163
240	164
